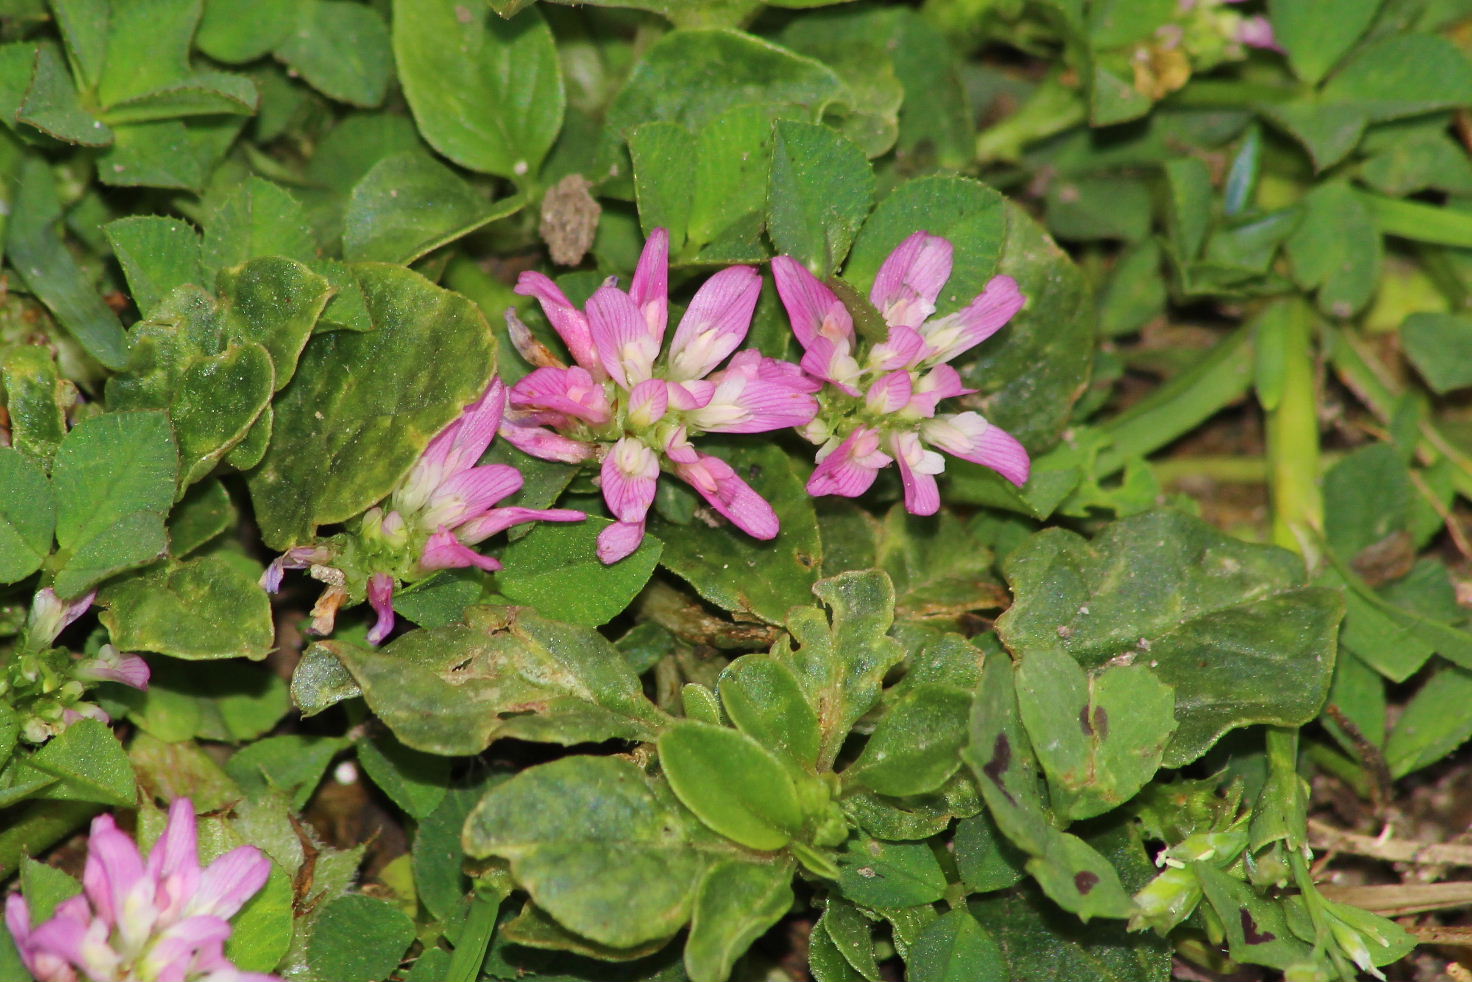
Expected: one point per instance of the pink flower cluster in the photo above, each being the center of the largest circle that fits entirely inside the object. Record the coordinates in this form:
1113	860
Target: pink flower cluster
633	405
880	401
163	919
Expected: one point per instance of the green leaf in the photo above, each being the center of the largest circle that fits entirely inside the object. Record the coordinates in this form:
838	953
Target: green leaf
37	398
414	780
157	254
384	394
1256	926
53	106
233	702
1072	873
914	748
88	764
495	106
1433	724
1367	498
735	904
438	857
841	663
255	218
852	935
890	874
1318	35
1099	736
936	118
358	939
734	784
739	573
1040	941
507	673
215	402
1327	132
263	929
45	888
1227	624
955	946
205	608
83	25
555	568
113	479
692	76
238	31
409	205
600	847
765	701
27	516
291	764
985	859
35	250
728	198
1336	249
663	164
167	153
1188	205
341	49
1403	75
821	189
1440	346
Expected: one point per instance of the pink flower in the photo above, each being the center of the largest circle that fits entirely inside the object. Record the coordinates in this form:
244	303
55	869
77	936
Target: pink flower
444	506
634	411
162	919
880	403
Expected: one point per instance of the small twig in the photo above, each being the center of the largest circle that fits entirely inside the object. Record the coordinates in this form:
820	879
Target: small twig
1371	758
1325	836
1399	899
1459	538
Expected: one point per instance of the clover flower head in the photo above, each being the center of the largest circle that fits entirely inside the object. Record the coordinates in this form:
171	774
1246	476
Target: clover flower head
633	405
880	400
156	920
445	505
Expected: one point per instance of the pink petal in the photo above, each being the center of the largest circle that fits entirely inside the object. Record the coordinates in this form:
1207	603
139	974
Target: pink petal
757	394
971	437
71	939
901	348
111	665
949	336
174	861
911	278
625	345
918	468
691	394
630	476
889	393
463	442
18	919
233	878
851	467
941	382
112	870
619	540
381	599
813	308
1257	32
546	445
716	322
832	360
571	391
717	483
173	952
570	323
500	519
50	615
650	287
648	401
444	550
467	494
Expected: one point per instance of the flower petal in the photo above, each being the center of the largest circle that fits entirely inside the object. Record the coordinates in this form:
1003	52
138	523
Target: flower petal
546	445
849	469
650	287
570	323
630	476
113	869
970	437
716	482
500	519
469	493
569	391
716	322
947	337
813	308
230	881
175	856
444	550
619	540
756	394
911	278
626	348
381	599
918	468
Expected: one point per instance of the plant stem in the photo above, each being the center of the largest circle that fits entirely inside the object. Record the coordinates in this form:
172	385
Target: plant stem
1293	432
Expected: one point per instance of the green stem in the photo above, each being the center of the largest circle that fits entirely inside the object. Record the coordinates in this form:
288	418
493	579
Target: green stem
41	825
1293	432
474	939
1176	408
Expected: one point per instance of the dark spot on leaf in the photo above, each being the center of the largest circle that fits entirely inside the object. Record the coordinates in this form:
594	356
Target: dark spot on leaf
805	560
1101	722
1251	934
997	766
1083	721
1084	881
